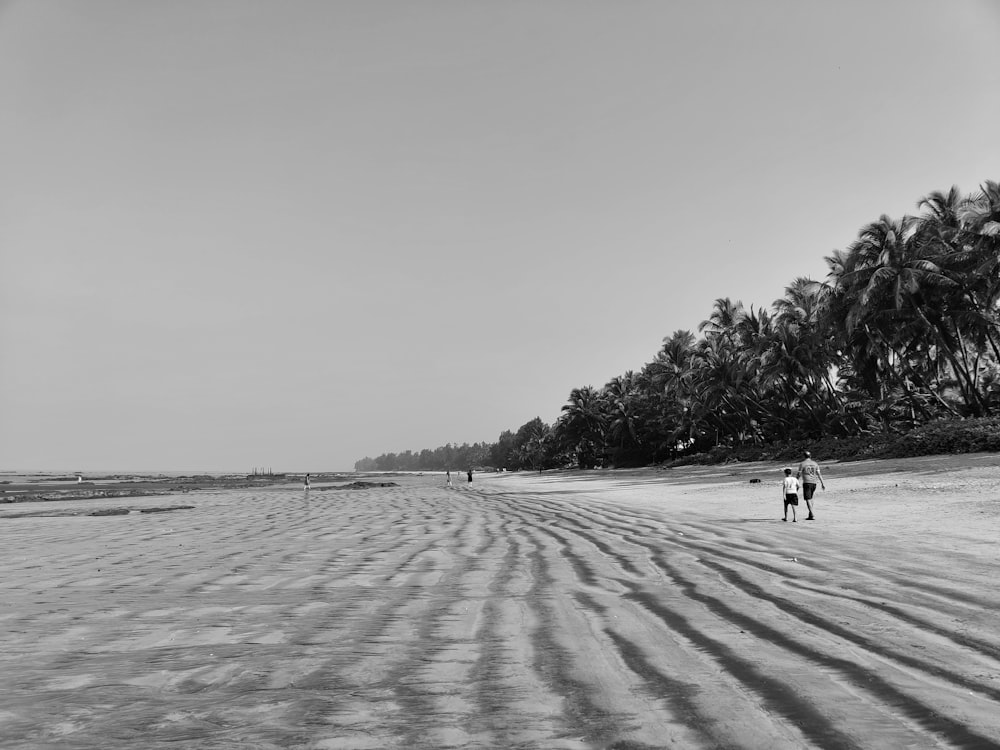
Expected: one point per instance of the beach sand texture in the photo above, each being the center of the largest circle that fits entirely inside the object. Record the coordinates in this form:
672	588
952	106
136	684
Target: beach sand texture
637	609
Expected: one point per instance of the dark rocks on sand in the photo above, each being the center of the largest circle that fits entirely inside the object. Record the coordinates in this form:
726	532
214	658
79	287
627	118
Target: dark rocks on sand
164	510
359	486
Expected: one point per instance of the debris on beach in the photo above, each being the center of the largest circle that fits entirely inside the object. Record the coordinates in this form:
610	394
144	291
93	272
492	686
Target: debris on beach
86	494
166	508
67	512
358	486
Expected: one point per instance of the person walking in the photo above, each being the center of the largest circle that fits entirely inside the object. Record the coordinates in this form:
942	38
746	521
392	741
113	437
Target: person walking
448	474
470	476
809	473
305	485
790	493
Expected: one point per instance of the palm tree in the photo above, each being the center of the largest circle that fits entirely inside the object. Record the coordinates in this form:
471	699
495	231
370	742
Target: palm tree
971	239
671	379
803	357
727	388
898	291
622	398
582	425
724	320
964	233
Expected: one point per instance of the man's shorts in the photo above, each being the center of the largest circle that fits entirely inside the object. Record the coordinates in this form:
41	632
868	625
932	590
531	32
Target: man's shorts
808	490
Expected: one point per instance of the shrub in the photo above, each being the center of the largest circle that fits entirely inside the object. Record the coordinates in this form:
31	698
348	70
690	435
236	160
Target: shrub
934	438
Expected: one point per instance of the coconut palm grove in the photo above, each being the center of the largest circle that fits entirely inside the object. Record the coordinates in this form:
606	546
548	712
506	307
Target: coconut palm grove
896	352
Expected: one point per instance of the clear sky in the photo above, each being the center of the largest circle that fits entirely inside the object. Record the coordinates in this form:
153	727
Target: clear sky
292	234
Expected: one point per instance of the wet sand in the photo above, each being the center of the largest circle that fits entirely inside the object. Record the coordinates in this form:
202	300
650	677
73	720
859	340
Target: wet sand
631	609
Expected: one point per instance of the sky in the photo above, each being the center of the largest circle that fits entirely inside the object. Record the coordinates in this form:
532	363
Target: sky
293	234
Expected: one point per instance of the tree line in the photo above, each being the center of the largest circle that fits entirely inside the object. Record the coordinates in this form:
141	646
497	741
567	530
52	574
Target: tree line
902	332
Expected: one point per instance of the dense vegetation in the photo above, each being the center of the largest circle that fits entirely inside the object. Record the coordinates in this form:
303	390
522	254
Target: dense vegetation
897	352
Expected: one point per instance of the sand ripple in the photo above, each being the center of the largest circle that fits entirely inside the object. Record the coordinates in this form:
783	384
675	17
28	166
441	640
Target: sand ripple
497	615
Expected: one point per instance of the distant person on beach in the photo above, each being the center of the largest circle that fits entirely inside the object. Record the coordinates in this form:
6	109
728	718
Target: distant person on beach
790	493
470	475
808	474
306	485
449	478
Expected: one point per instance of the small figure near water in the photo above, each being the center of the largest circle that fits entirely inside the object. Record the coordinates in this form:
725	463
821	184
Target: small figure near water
448	475
470	476
790	493
808	473
305	486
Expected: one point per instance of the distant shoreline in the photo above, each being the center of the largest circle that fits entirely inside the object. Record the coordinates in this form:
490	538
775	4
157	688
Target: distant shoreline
48	489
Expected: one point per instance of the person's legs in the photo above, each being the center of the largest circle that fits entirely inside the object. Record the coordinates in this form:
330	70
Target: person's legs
808	490
790	502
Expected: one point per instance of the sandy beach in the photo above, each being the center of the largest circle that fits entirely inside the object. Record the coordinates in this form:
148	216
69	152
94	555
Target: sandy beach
629	609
